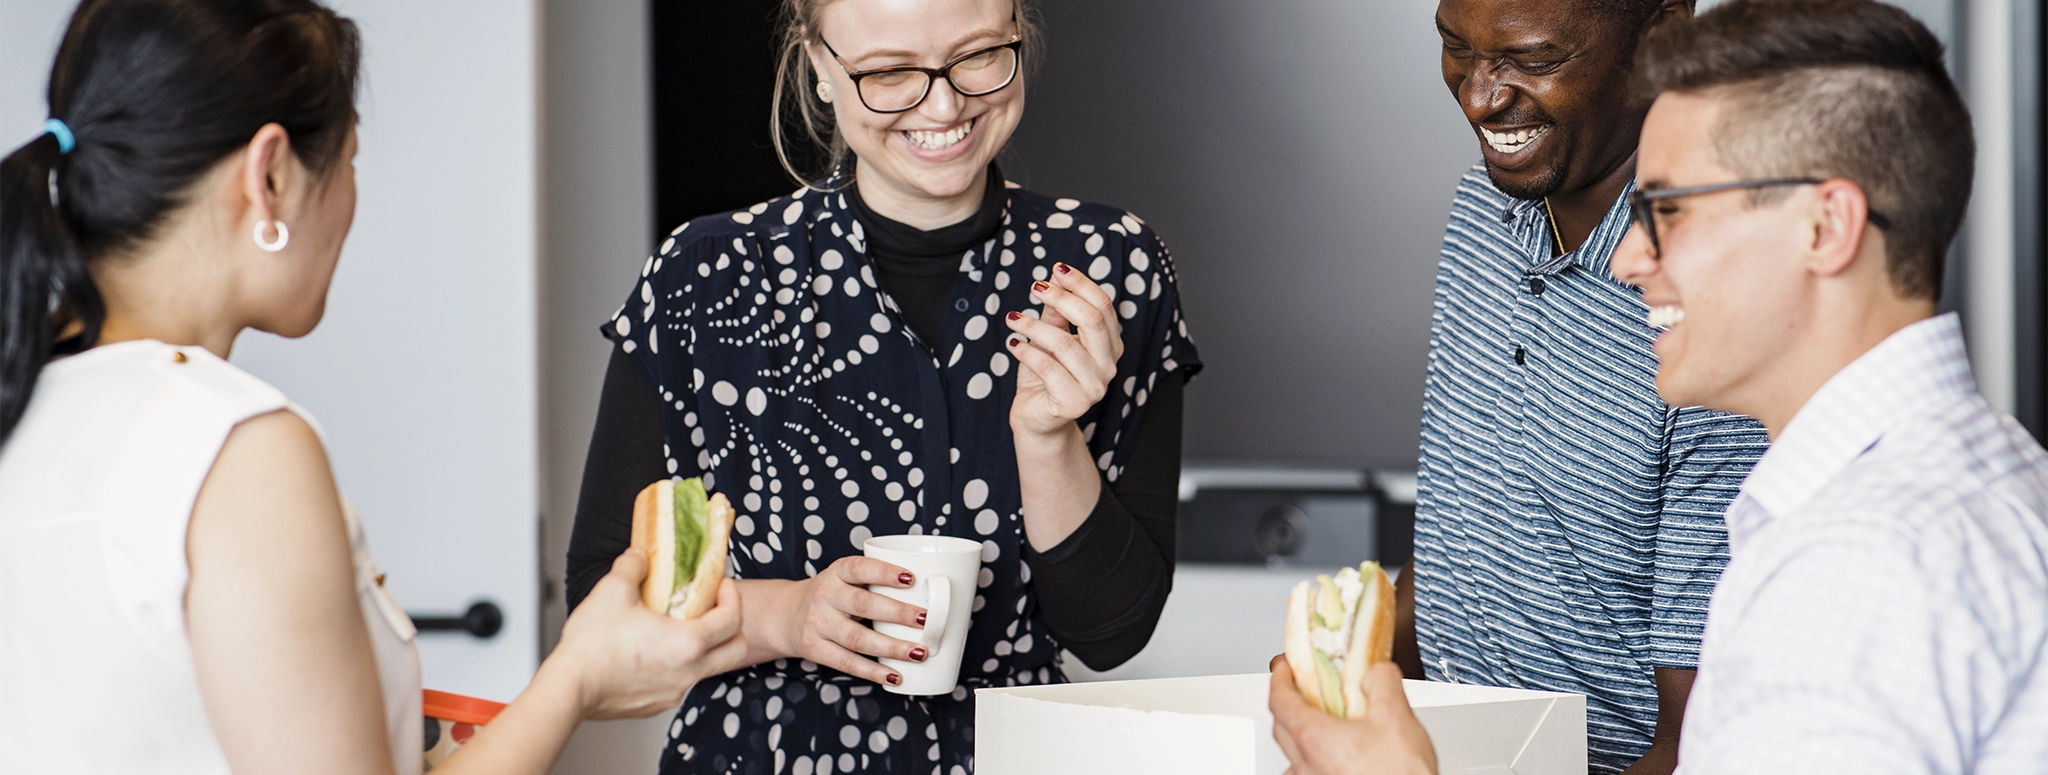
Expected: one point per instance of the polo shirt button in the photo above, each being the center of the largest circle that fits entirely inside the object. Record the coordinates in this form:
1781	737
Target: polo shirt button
1519	359
1536	285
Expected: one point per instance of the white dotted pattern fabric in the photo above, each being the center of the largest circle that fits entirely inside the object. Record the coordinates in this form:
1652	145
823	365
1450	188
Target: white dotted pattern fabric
791	383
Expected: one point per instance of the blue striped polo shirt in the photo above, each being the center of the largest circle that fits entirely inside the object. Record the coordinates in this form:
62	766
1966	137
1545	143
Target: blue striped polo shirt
1568	527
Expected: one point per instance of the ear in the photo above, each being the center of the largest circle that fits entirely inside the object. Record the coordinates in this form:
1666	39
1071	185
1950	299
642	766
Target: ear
1668	11
268	170
1840	223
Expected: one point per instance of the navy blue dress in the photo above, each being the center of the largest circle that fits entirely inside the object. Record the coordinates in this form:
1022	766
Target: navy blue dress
790	381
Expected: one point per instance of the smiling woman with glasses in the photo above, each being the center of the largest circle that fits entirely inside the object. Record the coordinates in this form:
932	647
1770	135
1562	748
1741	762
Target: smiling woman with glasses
905	345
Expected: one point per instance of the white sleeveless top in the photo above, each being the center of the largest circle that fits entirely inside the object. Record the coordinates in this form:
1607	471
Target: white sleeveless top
96	489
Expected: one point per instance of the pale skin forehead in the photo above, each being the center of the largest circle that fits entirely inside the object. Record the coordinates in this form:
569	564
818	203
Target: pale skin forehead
880	33
1677	145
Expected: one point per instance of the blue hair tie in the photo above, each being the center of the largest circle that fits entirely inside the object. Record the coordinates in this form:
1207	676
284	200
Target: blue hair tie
65	139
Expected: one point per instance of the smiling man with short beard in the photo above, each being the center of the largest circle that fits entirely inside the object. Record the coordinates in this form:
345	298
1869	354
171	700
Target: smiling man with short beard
1568	526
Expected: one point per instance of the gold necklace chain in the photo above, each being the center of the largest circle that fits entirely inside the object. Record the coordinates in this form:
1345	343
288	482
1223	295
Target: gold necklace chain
1554	233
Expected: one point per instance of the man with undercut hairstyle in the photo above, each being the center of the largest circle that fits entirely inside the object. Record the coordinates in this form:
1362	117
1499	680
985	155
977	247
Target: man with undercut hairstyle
1568	524
1885	611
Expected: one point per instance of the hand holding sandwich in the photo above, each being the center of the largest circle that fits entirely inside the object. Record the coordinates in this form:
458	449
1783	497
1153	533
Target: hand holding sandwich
630	662
1337	701
1385	739
616	660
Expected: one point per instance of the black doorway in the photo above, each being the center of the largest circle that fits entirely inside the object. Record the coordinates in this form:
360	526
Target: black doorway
713	79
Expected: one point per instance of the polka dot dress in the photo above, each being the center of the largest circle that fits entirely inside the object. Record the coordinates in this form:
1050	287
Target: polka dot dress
789	379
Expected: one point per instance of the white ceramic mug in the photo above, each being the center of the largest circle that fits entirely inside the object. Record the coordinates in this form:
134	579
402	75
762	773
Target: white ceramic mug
946	569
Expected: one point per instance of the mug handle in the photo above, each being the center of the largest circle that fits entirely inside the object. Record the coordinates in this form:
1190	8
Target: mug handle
938	598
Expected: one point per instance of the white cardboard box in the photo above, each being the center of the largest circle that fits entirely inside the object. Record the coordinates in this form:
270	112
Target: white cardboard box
1219	725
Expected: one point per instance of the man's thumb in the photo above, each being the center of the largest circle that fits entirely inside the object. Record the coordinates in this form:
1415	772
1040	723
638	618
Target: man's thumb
1383	687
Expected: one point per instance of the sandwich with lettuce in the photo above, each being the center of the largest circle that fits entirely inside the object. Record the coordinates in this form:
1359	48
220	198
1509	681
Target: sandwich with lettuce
684	531
1337	627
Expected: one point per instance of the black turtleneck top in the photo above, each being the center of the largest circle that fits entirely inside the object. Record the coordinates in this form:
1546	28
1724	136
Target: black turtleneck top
1101	589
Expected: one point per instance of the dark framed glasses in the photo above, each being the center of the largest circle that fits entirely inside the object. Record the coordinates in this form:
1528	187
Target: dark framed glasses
1641	211
898	89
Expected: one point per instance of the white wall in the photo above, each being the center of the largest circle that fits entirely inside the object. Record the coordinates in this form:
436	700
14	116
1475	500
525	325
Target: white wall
596	200
424	372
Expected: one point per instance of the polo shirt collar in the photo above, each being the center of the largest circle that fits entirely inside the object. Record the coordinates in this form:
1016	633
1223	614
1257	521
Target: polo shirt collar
1593	255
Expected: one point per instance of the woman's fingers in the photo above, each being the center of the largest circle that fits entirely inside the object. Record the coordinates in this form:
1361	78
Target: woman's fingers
862	639
832	655
1090	311
1064	388
1079	289
1073	356
859	603
862	571
1049	313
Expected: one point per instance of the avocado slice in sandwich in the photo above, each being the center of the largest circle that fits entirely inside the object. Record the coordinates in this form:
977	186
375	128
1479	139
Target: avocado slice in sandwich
1337	627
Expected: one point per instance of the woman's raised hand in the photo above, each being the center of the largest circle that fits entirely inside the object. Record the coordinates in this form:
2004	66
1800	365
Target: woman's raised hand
1060	373
819	618
632	662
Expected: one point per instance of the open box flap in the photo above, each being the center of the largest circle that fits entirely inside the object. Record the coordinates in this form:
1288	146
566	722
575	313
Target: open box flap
1042	736
1219	724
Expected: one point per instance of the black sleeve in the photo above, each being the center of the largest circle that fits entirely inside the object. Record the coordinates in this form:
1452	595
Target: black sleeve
1102	588
625	455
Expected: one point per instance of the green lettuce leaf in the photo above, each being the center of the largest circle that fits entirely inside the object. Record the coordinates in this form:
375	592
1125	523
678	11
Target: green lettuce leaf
693	517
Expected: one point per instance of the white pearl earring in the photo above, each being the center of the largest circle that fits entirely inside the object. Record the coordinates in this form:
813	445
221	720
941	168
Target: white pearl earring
825	92
284	236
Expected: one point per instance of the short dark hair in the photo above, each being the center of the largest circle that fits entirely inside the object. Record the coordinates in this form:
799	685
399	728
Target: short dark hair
155	93
1632	14
1833	88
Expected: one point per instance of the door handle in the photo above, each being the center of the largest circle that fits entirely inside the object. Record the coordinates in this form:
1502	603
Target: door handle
482	620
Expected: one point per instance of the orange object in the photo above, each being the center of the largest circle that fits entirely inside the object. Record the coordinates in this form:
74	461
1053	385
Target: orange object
458	708
451	720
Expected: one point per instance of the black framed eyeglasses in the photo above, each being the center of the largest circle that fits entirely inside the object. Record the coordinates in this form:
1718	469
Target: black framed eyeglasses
897	89
1640	202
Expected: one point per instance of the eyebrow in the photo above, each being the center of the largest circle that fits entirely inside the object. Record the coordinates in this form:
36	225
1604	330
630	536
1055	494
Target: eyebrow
912	55
1543	48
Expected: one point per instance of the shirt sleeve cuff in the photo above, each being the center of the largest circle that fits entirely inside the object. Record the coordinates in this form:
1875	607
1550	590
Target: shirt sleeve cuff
1078	543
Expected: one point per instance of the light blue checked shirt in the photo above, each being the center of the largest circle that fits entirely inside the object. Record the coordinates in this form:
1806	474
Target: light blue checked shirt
1568	523
1885	609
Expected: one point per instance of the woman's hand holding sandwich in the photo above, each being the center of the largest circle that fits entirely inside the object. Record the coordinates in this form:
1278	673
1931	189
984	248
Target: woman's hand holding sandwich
616	659
631	662
818	618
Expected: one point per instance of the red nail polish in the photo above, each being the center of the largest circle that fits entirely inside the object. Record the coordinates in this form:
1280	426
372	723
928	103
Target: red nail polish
894	679
905	579
917	654
1062	268
1014	341
1016	316
1040	286
920	618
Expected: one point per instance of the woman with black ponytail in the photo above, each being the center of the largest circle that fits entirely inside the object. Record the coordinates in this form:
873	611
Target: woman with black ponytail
182	589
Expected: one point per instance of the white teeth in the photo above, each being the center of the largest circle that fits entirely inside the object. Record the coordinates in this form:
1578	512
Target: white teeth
1511	142
932	141
1666	317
